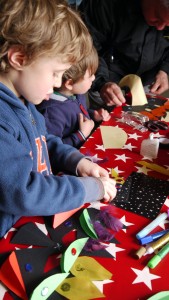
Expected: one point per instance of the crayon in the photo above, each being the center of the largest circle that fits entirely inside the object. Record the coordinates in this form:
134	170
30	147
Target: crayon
152	225
150	238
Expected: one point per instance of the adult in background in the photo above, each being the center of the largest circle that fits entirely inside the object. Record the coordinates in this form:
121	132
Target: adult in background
131	37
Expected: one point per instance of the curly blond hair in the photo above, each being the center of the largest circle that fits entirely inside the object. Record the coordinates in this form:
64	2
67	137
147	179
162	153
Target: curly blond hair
40	27
78	70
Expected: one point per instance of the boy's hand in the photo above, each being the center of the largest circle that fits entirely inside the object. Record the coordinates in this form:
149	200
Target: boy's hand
85	125
87	168
101	115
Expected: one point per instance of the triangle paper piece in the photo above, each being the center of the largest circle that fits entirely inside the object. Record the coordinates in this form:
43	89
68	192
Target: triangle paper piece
61	217
13	281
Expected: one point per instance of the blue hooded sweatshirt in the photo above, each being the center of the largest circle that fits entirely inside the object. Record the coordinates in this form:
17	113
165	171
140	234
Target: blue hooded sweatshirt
29	158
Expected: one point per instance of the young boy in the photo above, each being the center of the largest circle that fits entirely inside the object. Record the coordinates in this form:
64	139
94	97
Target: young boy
66	112
39	40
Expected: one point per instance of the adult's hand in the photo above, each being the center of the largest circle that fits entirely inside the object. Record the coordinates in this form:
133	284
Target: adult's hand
112	94
161	83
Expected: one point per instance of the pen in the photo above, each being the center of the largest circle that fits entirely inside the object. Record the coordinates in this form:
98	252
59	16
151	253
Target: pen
150	238
157	244
152	225
158	257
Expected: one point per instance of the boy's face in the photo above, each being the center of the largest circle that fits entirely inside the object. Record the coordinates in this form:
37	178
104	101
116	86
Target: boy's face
35	82
84	84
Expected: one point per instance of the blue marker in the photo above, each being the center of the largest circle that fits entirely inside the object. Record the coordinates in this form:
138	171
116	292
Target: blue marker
153	237
152	225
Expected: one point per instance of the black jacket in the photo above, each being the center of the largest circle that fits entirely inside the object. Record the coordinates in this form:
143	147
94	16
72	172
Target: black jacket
125	43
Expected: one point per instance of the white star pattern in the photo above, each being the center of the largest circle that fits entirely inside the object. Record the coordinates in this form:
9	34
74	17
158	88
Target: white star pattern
3	290
147	158
99	284
10	230
158	135
167	202
124	222
116	169
122	157
128	146
133	136
97	205
100	147
112	249
144	276
42	227
95	158
143	170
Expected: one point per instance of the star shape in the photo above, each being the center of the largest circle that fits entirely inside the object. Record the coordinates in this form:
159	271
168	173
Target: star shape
158	135
3	290
99	284
134	136
122	157
95	158
146	157
116	169
129	146
143	170
10	230
144	276
112	249
100	147
124	222
97	205
167	202
42	227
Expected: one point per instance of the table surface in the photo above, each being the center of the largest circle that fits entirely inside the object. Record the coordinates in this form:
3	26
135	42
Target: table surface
131	278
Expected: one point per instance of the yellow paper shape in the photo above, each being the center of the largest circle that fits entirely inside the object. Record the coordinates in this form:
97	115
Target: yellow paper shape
154	167
113	137
136	88
76	288
88	267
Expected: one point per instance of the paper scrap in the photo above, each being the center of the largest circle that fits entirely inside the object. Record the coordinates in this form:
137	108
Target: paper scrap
136	88
113	137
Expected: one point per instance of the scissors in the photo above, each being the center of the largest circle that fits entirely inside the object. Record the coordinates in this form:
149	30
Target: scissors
155	126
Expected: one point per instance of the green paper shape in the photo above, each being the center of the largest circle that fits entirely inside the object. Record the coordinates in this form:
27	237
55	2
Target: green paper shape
48	286
86	224
160	296
68	259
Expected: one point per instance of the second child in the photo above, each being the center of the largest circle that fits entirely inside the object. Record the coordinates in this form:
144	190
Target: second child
66	113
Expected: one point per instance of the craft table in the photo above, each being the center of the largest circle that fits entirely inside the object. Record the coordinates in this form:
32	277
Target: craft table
131	278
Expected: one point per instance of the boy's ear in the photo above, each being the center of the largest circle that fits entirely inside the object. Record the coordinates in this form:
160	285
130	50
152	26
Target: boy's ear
69	84
16	58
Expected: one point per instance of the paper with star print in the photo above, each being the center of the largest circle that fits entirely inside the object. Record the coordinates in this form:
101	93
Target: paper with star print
113	137
85	266
136	88
142	194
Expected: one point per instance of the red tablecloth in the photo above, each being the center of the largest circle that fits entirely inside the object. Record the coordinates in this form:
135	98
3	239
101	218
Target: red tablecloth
132	279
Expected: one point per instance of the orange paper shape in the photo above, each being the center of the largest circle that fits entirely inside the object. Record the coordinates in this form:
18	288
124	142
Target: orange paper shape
13	281
61	217
79	288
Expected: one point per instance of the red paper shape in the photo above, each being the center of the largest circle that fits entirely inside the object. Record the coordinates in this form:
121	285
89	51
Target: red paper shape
13	281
